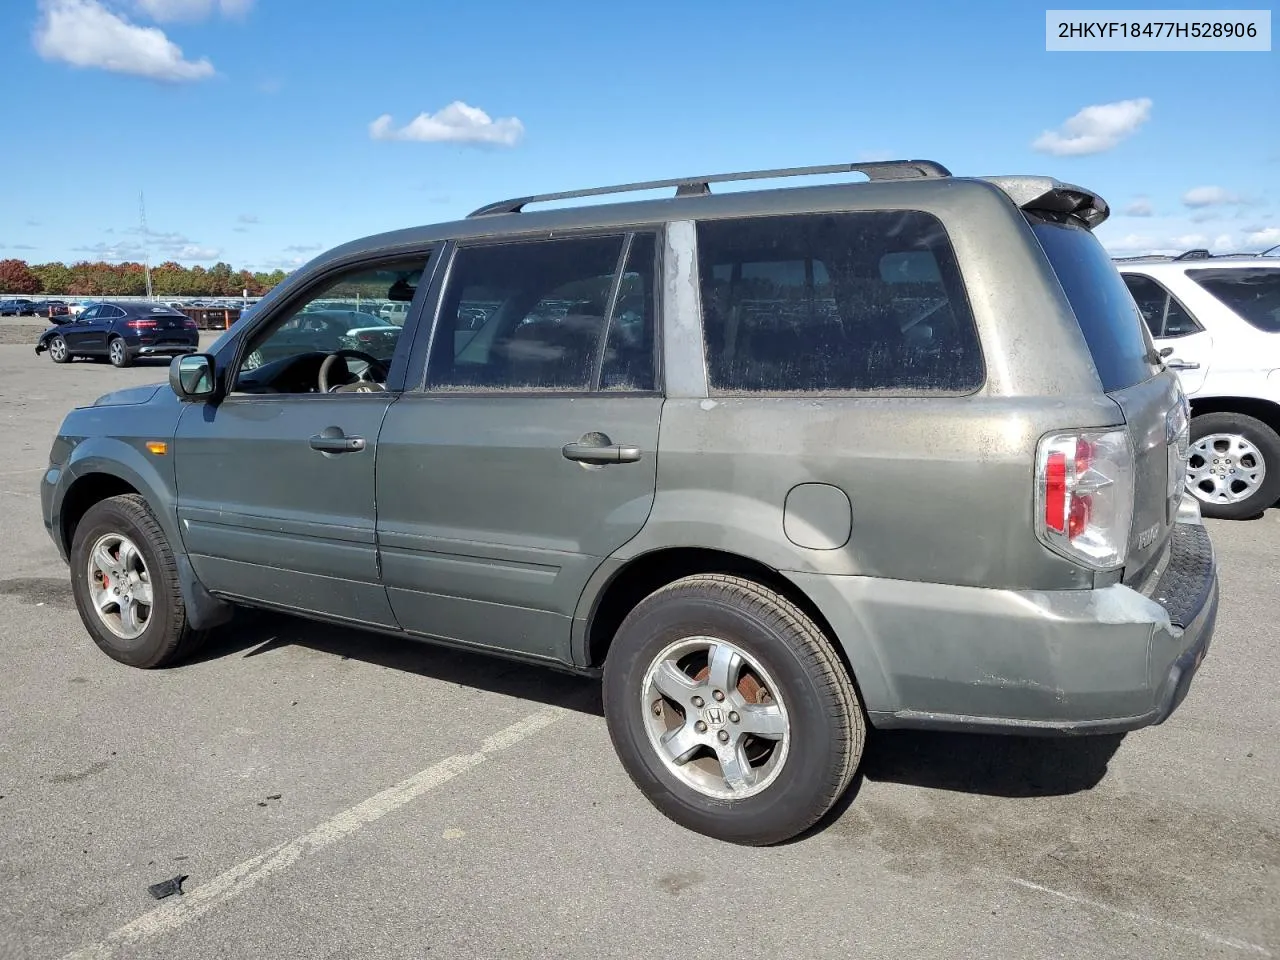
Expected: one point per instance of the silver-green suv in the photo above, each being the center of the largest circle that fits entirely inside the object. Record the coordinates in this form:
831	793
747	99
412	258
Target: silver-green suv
778	465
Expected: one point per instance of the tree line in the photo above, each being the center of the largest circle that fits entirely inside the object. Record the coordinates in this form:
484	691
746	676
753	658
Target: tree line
99	279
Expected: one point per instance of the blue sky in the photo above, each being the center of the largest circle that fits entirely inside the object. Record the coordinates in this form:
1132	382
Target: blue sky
254	125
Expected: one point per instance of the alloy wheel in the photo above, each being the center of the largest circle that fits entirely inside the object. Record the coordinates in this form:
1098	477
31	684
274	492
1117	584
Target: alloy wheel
715	718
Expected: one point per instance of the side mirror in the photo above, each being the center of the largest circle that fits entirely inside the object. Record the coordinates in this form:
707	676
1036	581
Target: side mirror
1166	352
192	376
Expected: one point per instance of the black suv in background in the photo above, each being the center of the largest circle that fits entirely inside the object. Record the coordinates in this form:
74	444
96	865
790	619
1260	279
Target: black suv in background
122	332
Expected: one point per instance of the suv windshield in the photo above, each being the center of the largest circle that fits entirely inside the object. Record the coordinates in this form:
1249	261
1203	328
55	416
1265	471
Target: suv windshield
1254	293
1108	316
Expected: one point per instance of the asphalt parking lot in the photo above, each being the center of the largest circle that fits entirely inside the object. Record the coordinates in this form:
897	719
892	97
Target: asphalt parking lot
329	793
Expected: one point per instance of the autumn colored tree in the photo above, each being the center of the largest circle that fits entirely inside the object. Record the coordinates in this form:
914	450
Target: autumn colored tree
16	277
98	279
54	277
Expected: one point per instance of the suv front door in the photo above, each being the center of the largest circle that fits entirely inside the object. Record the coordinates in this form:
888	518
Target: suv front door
276	481
491	514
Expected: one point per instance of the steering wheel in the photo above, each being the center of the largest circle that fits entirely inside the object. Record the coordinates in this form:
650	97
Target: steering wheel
371	381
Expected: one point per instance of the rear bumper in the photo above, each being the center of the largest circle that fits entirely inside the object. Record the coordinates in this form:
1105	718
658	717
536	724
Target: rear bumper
1075	661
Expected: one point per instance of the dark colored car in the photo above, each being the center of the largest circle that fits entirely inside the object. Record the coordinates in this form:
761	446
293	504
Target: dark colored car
122	332
55	310
13	307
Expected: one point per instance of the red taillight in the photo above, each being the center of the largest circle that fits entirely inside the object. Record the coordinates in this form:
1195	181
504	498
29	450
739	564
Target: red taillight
139	324
1055	492
190	324
1085	493
1067	511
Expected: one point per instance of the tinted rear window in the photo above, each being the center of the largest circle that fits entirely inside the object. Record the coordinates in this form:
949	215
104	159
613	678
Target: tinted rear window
1109	319
835	303
1254	294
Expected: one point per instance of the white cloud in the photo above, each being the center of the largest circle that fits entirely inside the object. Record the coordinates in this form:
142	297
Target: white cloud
1262	238
193	251
456	123
168	10
1139	207
1095	129
1254	238
122	250
1215	197
303	248
84	33
247	218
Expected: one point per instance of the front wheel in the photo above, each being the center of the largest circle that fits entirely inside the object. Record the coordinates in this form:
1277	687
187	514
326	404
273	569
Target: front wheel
118	353
58	351
125	582
730	710
1234	465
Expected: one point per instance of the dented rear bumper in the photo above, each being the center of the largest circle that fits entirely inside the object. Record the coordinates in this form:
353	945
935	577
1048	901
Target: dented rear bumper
1073	661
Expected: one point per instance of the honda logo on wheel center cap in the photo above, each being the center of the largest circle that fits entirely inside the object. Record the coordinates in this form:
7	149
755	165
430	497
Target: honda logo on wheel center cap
713	716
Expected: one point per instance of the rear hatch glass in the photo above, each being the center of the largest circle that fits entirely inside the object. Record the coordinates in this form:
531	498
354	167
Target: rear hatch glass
1127	365
1108	316
1253	293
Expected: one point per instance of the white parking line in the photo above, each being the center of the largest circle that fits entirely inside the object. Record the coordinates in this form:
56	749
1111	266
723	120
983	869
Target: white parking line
1204	935
14	473
222	888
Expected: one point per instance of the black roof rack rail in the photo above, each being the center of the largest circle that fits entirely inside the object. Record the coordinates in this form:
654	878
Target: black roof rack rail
1198	254
700	186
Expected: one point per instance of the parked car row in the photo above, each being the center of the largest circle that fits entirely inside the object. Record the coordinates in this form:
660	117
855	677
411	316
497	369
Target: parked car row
22	307
1216	321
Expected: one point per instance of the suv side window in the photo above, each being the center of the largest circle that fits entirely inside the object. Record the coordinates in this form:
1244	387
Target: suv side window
339	314
547	315
835	303
1164	316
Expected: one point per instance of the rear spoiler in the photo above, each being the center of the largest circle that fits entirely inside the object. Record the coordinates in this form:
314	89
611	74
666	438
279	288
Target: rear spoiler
1046	195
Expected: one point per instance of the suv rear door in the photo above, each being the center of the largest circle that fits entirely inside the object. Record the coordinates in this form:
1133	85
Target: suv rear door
528	453
1149	396
1172	327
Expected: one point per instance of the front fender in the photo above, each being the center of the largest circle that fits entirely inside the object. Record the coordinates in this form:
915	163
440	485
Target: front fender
95	459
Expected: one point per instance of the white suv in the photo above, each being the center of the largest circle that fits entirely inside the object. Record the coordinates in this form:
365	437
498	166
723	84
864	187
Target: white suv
1216	320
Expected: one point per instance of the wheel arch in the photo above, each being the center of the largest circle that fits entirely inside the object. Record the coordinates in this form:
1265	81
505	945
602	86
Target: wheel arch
111	471
1267	411
639	576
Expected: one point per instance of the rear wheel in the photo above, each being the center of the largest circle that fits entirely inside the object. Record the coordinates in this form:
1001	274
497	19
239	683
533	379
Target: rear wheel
58	351
125	582
1234	465
730	710
118	353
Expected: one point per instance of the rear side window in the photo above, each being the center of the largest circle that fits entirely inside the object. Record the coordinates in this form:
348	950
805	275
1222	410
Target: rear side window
1253	294
1165	317
1108	316
835	303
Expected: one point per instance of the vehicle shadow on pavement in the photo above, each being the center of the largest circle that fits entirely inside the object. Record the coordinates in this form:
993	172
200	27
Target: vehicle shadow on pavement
255	633
992	765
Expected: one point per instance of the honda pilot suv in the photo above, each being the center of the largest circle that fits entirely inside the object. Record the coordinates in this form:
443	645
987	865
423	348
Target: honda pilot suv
778	466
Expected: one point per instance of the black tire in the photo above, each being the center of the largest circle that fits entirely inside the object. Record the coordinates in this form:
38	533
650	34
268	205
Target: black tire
1267	443
167	636
122	358
54	353
827	728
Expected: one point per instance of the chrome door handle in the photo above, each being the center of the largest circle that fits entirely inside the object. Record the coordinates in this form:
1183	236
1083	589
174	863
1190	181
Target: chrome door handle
600	453
1182	365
